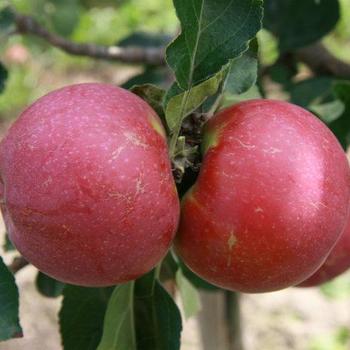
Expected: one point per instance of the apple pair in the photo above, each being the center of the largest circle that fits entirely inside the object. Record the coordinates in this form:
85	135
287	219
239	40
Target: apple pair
88	195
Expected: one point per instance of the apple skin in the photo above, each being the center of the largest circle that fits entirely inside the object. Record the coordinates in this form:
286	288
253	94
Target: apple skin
270	201
337	262
88	195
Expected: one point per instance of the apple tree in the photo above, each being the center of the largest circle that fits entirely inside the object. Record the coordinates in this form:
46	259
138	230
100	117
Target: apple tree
92	175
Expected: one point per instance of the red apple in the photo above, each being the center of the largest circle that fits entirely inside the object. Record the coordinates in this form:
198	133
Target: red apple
87	191
271	199
338	261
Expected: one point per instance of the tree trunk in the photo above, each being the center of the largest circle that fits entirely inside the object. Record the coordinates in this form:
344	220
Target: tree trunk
220	321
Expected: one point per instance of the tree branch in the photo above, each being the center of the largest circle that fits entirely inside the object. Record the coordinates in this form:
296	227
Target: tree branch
17	264
321	61
315	56
151	56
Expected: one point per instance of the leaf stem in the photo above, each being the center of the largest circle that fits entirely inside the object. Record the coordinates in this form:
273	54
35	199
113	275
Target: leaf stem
176	133
157	270
219	99
215	106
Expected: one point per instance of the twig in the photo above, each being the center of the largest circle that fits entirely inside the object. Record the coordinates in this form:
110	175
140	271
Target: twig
17	264
151	56
316	56
321	61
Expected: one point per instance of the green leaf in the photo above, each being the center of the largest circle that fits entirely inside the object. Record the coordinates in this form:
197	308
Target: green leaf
212	33
141	309
196	280
157	75
152	94
169	267
341	126
242	76
189	295
311	91
182	103
81	316
229	99
118	331
329	111
63	15
283	71
48	286
299	23
328	99
157	317
151	75
8	246
243	71
144	39
9	305
3	77
7	19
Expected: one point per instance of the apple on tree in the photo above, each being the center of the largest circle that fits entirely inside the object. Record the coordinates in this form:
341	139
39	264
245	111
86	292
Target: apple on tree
337	262
87	192
270	201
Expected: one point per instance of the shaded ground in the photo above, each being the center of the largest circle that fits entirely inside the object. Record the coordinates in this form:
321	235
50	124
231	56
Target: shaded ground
295	319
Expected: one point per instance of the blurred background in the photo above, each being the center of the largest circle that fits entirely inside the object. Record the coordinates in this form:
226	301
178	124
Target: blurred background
301	319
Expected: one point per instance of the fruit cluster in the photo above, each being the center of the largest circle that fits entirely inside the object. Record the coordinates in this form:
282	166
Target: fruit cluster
88	195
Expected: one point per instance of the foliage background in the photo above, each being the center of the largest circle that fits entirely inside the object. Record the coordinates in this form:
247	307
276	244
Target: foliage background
93	24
